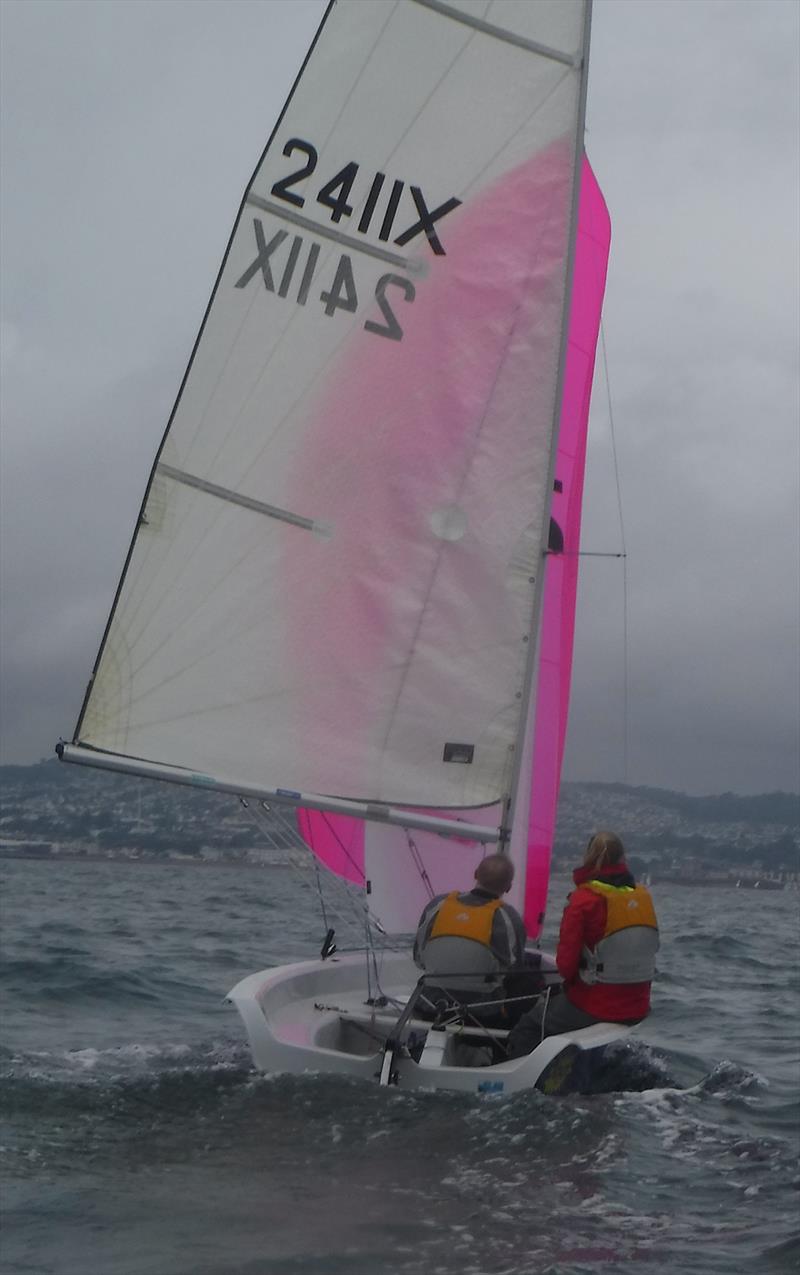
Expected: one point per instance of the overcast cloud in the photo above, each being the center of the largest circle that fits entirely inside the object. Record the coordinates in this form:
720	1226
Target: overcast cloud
129	131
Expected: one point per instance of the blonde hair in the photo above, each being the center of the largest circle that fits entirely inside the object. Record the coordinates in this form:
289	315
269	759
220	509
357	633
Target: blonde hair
495	873
603	848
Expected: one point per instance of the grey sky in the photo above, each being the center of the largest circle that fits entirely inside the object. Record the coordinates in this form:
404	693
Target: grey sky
129	131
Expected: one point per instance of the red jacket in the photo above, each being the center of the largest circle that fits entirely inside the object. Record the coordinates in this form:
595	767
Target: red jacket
583	925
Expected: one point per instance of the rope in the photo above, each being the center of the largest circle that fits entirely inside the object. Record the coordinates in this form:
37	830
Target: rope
321	898
544	1012
625	659
348	909
418	864
324	815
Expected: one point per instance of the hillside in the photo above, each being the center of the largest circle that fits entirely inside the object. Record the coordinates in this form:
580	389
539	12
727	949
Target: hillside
51	808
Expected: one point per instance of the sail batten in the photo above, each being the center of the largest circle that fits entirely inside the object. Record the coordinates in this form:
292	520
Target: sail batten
412	265
499	33
236	498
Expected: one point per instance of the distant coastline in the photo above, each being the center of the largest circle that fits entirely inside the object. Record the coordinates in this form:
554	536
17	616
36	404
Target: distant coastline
50	812
159	861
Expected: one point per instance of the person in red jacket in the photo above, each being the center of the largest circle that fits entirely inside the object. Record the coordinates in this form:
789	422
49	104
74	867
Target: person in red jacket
606	951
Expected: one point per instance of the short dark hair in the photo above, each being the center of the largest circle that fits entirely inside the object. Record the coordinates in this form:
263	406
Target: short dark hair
495	873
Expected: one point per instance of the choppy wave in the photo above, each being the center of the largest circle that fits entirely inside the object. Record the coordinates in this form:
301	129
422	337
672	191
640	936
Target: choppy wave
137	1137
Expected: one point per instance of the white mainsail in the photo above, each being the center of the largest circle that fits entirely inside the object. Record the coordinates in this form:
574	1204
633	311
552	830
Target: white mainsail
332	585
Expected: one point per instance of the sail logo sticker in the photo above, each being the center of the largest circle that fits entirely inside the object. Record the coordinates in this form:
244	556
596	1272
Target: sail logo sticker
491	1086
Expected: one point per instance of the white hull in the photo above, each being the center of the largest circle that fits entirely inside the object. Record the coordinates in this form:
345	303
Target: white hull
313	1017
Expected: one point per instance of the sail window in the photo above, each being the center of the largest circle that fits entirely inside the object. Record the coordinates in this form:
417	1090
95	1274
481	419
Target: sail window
449	522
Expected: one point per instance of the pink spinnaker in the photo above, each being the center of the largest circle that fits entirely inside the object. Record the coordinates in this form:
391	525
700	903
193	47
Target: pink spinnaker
561	577
339	842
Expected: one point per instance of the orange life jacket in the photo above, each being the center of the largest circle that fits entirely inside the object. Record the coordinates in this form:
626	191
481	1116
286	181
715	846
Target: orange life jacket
626	952
465	920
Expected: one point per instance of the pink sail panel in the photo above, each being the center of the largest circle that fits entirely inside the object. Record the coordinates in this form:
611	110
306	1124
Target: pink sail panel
561	580
388	860
337	841
429	460
406	629
340	843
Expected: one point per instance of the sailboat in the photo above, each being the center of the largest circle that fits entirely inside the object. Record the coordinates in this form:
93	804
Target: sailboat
351	590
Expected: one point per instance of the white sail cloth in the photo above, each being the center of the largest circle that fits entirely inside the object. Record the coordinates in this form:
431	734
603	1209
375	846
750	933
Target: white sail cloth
331	589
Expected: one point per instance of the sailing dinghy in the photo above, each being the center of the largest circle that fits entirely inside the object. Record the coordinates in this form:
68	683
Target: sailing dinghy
351	589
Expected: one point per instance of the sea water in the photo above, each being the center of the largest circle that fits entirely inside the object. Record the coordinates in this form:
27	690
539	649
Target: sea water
137	1140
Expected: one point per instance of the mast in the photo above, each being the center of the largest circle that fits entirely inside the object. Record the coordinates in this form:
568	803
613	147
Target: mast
534	647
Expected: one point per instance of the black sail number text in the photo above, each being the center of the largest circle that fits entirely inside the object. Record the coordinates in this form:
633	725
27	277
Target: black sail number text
336	194
289	268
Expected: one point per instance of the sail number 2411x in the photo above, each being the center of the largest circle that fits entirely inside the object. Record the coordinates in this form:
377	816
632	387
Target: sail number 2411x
297	265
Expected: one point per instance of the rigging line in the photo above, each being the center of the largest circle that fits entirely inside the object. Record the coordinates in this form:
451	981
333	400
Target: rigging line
419	864
613	436
358	905
341	902
301	868
282	820
321	895
624	555
341	845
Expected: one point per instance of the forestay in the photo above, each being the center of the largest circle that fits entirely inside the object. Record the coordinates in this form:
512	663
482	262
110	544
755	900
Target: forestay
332	584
